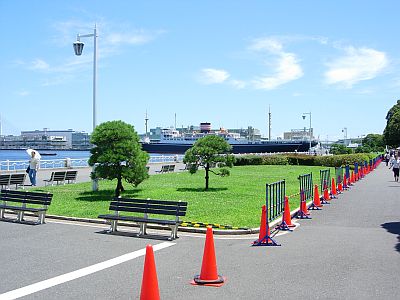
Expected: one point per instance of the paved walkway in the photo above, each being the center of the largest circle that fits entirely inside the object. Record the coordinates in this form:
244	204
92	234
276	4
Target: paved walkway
348	250
84	172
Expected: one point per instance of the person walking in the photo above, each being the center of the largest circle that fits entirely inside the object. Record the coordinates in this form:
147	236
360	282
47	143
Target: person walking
395	164
33	168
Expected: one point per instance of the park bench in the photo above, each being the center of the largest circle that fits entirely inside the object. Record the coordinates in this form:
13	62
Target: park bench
5	180
18	179
21	202
146	207
166	169
57	176
70	176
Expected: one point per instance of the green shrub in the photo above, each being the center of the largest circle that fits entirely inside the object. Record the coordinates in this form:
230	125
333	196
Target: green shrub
246	160
275	160
343	159
301	159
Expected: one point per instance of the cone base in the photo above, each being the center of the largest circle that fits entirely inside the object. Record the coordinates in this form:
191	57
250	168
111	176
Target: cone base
216	283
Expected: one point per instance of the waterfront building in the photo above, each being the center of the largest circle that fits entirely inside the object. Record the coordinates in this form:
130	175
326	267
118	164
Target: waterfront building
47	139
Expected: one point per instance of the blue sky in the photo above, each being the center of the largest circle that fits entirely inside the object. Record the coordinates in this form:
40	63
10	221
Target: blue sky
222	62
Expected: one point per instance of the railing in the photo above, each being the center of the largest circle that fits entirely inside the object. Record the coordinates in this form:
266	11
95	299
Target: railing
14	165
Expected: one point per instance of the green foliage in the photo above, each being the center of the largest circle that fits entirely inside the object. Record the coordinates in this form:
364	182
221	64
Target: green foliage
301	159
207	151
373	143
117	154
275	160
343	159
337	149
246	160
392	130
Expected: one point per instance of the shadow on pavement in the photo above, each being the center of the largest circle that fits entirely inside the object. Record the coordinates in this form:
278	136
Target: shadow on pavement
393	227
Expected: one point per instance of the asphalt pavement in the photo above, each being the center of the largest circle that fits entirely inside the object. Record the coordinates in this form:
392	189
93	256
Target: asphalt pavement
348	250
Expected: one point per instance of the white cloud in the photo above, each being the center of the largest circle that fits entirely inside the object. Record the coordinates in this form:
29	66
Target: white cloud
212	76
286	69
357	65
39	64
239	84
23	93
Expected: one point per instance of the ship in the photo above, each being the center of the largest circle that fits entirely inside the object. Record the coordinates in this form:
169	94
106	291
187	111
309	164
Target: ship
173	142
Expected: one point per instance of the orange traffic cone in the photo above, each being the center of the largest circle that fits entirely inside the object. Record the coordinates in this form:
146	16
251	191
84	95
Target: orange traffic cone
333	188
317	201
340	187
264	237
149	289
286	217
303	212
209	275
345	186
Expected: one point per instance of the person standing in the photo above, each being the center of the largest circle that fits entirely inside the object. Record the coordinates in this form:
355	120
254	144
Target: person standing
395	164
33	168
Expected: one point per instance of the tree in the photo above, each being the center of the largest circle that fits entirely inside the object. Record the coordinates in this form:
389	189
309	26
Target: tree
392	129
208	151
339	149
117	154
373	143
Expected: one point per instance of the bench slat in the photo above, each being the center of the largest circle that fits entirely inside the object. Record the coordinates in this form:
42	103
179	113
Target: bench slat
150	211
148	205
137	219
165	202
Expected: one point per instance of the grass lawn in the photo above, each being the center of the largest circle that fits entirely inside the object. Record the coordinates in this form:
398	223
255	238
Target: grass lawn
235	200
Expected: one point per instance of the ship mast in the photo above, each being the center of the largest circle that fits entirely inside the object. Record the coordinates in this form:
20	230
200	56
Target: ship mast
269	123
145	123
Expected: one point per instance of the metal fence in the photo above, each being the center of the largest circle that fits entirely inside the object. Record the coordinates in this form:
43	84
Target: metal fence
306	187
325	179
275	199
338	174
15	165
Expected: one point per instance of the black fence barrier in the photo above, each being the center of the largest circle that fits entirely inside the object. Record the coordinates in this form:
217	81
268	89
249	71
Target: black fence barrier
338	174
325	178
306	187
275	199
356	168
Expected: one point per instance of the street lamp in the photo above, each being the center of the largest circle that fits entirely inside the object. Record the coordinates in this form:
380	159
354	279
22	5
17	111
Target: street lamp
78	48
304	117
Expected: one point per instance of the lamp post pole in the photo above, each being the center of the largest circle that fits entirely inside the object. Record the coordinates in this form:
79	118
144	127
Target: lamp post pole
309	113
78	48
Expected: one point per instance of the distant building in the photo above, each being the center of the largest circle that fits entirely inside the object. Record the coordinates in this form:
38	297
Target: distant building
248	133
47	139
299	134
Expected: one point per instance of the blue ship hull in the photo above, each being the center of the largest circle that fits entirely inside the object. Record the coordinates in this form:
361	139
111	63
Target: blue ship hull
251	147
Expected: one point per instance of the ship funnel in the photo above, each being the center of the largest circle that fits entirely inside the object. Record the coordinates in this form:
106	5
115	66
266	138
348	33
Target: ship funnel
205	127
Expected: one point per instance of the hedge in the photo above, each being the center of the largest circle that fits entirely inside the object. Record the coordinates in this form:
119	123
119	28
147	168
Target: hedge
305	160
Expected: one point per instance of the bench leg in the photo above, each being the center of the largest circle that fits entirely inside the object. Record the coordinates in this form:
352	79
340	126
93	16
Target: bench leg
174	232
20	216
113	227
142	229
2	213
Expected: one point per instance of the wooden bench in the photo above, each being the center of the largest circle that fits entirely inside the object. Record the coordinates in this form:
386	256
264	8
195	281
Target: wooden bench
146	207
57	176
5	180
70	176
18	200
166	169
18	179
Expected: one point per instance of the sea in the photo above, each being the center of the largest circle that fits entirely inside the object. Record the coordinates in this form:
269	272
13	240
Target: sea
18	159
17	155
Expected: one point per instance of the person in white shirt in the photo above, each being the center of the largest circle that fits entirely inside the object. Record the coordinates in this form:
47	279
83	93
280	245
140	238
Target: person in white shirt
395	164
33	167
